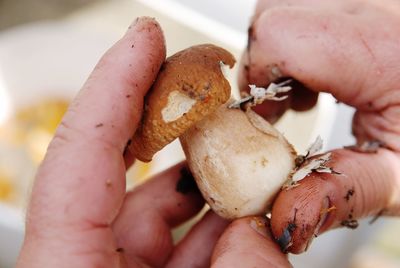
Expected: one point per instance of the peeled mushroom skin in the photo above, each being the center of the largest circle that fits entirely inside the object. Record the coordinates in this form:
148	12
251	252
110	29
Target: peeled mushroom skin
239	161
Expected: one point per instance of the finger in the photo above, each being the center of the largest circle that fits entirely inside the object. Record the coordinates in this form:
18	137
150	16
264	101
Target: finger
196	248
300	98
248	243
81	183
85	157
328	51
143	226
369	185
287	40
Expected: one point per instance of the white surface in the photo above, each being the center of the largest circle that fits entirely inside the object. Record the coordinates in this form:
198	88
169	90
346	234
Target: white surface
42	60
11	235
222	20
5	101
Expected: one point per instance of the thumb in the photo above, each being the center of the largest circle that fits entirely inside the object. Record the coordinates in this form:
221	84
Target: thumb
247	242
369	185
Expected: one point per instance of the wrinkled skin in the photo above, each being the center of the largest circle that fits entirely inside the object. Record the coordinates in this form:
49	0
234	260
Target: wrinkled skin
351	50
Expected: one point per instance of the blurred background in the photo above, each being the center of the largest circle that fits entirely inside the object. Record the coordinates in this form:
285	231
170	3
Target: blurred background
49	47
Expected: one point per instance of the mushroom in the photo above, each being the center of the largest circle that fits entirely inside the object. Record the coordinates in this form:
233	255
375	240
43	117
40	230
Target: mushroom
238	159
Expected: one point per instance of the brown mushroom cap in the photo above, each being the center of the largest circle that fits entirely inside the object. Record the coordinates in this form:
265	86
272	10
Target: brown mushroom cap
189	87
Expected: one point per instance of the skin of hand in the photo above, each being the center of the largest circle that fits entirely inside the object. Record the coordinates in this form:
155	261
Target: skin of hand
349	48
79	214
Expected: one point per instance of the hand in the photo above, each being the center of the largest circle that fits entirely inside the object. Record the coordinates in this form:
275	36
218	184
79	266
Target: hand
79	214
349	49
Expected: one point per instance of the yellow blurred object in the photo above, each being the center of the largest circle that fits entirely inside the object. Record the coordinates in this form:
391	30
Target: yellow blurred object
142	170
36	144
23	143
28	133
138	173
45	115
6	187
34	126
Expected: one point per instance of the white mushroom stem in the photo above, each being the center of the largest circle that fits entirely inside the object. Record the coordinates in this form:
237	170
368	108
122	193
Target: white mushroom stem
239	161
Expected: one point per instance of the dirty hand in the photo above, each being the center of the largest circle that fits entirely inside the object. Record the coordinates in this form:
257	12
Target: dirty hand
349	49
79	214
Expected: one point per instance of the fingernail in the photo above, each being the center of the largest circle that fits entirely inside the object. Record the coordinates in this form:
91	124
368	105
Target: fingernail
326	209
141	20
259	225
133	24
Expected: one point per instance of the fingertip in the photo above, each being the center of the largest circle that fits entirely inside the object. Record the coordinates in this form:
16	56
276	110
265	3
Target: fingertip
196	248
142	50
266	61
299	213
151	32
135	59
247	241
362	184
